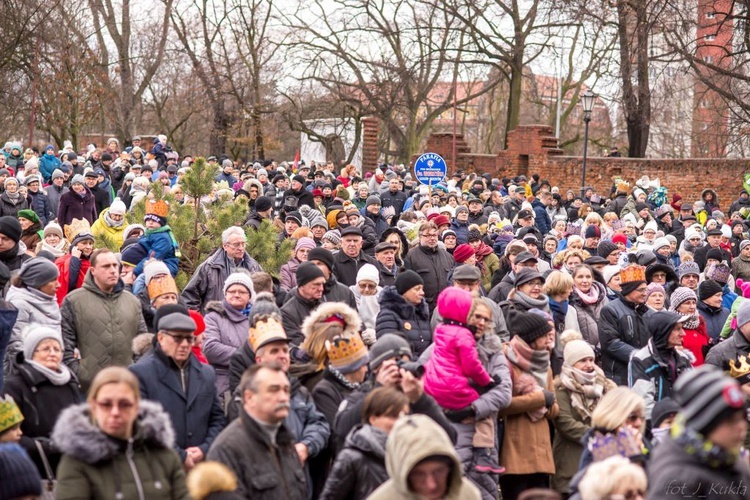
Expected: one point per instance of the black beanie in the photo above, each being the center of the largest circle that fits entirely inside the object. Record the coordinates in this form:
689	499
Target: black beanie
263	203
709	288
664	409
407	280
528	326
10	227
714	253
322	254
628	288
307	272
605	248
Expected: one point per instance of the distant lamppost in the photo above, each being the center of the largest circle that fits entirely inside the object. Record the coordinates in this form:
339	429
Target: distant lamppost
587	100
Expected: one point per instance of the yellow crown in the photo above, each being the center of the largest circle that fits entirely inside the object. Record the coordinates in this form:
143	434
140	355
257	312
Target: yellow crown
10	415
76	227
622	185
160	285
740	368
632	273
266	329
345	350
157	207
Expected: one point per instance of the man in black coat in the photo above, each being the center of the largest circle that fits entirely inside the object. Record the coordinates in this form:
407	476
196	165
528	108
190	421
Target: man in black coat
713	241
100	195
394	197
348	261
298	191
302	300
431	262
184	386
385	257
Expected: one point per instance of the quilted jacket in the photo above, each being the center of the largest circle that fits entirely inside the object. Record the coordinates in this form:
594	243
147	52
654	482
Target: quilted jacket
101	326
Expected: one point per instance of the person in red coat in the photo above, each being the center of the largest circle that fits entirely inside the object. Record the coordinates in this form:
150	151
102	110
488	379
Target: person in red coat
74	265
78	203
684	301
198	333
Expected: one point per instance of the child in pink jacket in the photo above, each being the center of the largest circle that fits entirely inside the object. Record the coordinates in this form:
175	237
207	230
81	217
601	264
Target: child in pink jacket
454	371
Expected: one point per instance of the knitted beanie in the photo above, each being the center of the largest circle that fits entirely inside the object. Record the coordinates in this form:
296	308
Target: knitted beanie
680	295
154	268
576	350
263	203
743	314
654	288
323	255
593	231
605	248
332	236
10	227
707	397
307	272
407	280
240	278
53	228
33	335
688	268
37	272
609	272
305	242
373	199
19	477
528	326
659	243
620	238
368	272
663	409
463	252
708	288
386	347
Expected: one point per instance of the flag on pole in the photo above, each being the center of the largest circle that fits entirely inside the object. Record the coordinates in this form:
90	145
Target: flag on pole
296	162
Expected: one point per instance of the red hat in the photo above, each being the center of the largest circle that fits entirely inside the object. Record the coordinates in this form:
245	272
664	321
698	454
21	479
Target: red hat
462	253
432	216
200	324
676	202
442	220
620	238
317	192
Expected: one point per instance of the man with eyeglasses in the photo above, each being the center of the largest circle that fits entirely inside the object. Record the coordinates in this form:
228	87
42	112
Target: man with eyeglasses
207	283
431	262
623	326
348	261
184	386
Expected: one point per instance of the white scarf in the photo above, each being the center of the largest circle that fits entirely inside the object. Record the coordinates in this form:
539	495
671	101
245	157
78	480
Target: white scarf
57	378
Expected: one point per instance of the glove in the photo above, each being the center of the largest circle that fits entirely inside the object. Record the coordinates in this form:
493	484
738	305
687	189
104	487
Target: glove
368	336
492	383
458	415
549	398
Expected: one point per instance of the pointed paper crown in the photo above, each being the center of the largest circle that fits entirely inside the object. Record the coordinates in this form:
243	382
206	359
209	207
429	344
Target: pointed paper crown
267	329
718	272
159	208
573	228
347	353
633	272
622	443
76	228
158	286
10	415
739	369
622	185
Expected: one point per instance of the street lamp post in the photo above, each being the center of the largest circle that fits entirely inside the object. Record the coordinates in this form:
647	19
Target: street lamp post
587	100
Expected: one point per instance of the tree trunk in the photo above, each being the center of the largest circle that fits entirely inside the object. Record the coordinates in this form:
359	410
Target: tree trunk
513	113
218	140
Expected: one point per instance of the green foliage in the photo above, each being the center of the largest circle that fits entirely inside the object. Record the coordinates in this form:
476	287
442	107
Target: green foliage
103	240
261	245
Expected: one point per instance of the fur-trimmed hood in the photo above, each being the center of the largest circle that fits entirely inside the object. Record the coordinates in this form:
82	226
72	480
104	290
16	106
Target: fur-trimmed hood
76	435
328	309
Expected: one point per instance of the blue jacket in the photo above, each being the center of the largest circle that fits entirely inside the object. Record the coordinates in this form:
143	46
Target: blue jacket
714	318
462	231
230	179
41	206
541	217
197	417
728	297
160	244
47	165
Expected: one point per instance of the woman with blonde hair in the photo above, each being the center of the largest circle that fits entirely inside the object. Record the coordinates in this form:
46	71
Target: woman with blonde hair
117	446
571	258
615	477
212	481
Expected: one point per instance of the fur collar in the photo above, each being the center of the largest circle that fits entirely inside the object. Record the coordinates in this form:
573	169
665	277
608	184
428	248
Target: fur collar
328	309
76	435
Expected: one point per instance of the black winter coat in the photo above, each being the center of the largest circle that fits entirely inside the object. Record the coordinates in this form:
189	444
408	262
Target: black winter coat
293	313
433	266
623	329
360	467
7	207
400	317
41	403
197	416
328	395
101	198
346	268
264	470
242	359
41	205
395	200
73	206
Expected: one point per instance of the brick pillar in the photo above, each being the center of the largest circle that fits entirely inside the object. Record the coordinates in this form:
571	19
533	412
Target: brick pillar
370	153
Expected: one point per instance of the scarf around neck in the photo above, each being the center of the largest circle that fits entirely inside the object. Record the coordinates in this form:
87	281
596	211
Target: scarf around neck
693	322
57	378
585	388
113	223
541	303
529	360
590	298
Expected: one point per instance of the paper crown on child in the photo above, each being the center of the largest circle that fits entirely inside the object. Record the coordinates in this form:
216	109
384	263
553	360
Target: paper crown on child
160	285
266	329
76	229
573	229
10	415
739	369
622	185
347	353
160	208
632	273
621	443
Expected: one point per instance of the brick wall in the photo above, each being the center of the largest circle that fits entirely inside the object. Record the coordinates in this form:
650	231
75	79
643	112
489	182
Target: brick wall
370	150
533	149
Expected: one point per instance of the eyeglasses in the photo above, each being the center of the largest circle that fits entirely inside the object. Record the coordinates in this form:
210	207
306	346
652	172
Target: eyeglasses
364	286
47	350
430	236
179	339
242	293
239	244
122	405
633	417
479	317
641	290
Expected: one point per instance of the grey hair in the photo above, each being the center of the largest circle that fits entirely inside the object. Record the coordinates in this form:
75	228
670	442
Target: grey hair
232	231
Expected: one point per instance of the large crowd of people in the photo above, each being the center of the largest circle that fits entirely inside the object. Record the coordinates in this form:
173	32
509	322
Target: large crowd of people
483	338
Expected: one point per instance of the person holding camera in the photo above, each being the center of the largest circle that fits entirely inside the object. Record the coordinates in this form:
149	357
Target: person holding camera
391	365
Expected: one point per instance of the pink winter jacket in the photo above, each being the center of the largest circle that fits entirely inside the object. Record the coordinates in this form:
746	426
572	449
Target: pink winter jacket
455	360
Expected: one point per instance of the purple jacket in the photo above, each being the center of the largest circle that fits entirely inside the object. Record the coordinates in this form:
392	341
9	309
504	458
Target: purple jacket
72	206
454	364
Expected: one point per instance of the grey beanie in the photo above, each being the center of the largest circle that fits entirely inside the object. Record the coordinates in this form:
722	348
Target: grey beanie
33	336
373	199
707	396
37	272
388	346
264	305
77	179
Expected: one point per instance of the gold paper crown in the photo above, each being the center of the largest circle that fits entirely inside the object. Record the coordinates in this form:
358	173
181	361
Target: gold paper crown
76	227
266	329
157	207
345	350
740	368
160	285
622	185
10	415
632	273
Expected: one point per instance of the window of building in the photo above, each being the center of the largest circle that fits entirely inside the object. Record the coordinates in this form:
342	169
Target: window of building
709	38
710	14
708	59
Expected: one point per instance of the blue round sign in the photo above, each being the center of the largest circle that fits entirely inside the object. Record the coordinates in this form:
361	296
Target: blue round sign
430	168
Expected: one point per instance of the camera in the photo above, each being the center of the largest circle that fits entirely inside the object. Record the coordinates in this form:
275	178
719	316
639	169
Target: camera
415	369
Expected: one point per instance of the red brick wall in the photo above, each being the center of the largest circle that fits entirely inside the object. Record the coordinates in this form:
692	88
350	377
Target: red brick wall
533	149
370	150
